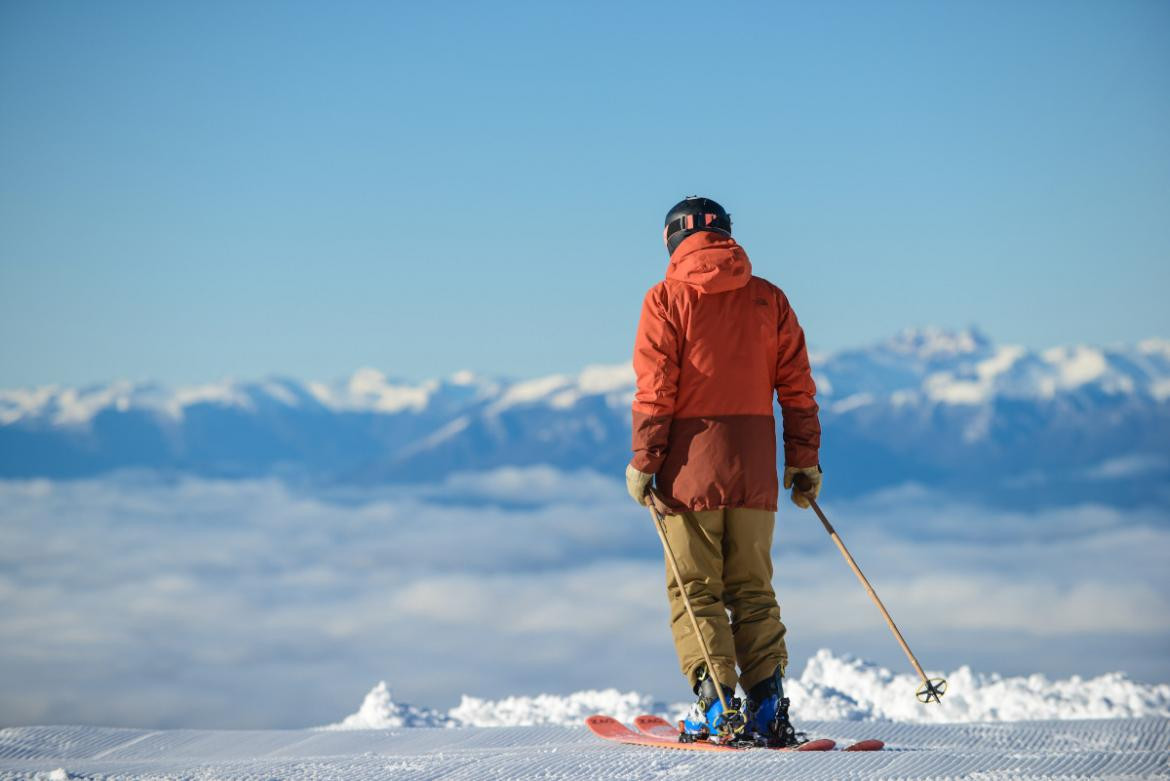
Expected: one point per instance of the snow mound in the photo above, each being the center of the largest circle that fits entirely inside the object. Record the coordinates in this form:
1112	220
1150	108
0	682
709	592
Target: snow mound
834	688
831	688
569	710
380	711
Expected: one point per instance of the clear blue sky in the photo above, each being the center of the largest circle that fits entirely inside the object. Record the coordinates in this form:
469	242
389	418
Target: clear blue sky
205	189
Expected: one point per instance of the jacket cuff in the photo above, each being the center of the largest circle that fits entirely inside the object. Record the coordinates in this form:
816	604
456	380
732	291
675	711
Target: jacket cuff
800	458
802	436
651	433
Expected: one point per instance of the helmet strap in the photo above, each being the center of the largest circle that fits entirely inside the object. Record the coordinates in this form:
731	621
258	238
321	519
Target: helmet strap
687	222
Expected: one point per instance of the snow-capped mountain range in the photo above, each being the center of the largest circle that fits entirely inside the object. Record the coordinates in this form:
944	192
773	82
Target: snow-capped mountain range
928	406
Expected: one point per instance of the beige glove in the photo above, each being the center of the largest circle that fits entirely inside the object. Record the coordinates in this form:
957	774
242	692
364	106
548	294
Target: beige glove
637	483
815	477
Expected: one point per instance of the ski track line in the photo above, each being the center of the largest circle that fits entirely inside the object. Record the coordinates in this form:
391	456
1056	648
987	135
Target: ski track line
127	744
1111	748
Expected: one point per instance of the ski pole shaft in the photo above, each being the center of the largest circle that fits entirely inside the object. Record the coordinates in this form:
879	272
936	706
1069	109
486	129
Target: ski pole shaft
660	525
803	485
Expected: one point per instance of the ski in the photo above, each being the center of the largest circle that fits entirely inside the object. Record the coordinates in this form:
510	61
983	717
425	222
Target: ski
611	729
656	727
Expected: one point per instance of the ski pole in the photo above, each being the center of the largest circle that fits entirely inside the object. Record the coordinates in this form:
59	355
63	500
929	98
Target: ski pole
932	688
660	525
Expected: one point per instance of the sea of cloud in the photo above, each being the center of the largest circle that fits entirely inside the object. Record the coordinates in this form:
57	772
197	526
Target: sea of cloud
151	601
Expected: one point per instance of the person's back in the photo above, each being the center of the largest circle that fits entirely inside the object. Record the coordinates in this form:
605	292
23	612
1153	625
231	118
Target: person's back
714	346
737	344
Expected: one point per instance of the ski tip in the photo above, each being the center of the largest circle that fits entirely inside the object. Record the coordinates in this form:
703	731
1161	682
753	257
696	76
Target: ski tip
866	745
824	744
598	719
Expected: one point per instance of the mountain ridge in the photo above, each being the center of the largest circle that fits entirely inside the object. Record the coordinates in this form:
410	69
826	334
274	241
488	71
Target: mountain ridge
929	404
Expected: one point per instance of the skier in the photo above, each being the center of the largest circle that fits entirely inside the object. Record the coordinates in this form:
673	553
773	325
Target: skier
714	343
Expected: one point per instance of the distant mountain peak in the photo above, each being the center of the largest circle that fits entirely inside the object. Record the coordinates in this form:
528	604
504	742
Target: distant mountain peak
464	377
934	341
1160	347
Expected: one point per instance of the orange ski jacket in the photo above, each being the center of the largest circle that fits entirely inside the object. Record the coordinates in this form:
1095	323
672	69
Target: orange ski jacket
714	344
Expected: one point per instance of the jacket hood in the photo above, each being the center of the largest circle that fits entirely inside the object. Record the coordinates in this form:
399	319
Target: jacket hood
712	262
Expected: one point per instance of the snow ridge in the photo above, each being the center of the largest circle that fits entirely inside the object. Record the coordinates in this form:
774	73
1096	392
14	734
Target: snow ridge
543	709
380	711
835	688
831	688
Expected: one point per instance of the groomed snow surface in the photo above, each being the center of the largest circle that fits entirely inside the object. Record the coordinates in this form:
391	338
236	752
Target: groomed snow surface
1089	749
989	727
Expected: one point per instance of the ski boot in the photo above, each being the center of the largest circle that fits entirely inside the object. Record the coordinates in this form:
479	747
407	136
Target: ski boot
767	715
707	720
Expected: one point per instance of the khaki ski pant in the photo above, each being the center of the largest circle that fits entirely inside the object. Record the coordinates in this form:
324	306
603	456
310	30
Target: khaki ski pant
725	558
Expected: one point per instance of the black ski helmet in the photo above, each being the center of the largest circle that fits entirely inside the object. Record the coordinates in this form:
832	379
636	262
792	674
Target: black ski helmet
691	215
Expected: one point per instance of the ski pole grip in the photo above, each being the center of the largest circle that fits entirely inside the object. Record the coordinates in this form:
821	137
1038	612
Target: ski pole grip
801	482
